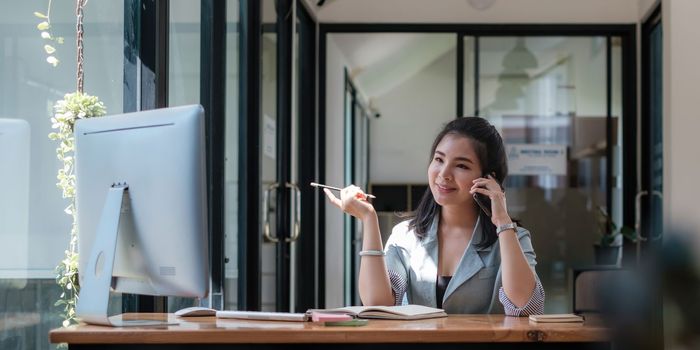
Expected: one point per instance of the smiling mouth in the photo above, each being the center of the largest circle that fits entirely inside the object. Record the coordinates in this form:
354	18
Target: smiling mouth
442	188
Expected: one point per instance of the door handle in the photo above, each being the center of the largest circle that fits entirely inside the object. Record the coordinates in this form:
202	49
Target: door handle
655	193
296	226
266	216
297	212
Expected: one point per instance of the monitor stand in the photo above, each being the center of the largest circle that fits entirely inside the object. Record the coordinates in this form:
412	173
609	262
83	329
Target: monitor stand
93	300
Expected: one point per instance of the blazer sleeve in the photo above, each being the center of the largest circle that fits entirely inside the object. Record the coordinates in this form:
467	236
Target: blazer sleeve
535	305
395	263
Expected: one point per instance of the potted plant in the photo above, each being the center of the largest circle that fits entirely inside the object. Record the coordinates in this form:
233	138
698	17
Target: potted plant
608	249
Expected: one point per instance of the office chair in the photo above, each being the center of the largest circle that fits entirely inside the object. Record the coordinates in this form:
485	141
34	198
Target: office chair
588	286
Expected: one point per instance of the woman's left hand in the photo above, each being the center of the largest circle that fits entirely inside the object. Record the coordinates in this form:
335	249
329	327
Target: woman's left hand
490	188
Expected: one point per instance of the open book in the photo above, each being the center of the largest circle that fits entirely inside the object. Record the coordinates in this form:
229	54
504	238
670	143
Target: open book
403	312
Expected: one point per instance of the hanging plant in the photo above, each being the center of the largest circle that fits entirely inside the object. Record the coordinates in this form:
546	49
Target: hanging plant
47	34
74	106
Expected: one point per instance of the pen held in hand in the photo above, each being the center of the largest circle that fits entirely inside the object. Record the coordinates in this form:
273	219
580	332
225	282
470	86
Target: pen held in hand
336	188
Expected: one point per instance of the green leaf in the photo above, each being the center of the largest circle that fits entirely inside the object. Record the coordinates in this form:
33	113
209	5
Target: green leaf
59	40
41	15
49	49
626	230
45	35
43	26
52	60
629	233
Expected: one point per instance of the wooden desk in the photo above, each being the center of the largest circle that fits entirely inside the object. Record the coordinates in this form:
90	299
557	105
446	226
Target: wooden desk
480	331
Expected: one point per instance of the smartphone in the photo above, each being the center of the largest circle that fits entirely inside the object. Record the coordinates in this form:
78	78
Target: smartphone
483	201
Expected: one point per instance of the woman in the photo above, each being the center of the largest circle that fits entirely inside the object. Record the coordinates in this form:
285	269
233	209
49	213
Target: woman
451	253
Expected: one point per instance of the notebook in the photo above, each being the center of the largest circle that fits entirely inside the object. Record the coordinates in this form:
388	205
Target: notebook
403	312
556	318
262	315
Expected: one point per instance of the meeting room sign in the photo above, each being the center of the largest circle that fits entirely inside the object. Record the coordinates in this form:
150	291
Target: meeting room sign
536	159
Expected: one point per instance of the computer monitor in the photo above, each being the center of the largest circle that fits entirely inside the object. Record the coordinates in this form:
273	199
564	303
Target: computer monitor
141	207
14	202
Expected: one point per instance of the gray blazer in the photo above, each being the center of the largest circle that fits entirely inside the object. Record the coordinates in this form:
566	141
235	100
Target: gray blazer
474	288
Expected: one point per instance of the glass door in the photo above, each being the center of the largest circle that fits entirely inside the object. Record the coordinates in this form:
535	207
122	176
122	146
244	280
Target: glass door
268	157
561	97
232	188
285	124
306	272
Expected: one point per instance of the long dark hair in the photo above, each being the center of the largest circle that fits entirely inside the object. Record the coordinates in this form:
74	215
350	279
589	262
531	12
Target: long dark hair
491	152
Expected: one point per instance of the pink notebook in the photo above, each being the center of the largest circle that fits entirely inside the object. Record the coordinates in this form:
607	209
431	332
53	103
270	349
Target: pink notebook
327	317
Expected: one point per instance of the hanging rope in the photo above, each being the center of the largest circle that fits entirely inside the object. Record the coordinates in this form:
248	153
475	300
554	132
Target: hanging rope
79	4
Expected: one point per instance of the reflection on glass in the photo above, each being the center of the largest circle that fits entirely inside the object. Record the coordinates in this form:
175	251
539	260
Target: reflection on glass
183	74
547	97
184	52
34	229
514	78
14	202
232	158
469	105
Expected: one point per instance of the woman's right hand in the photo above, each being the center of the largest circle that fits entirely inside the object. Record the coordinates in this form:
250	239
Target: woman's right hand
352	201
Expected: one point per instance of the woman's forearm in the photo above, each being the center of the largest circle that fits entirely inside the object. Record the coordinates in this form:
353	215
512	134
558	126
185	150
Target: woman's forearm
374	285
518	279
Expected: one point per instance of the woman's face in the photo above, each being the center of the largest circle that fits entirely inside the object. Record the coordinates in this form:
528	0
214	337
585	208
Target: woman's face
451	172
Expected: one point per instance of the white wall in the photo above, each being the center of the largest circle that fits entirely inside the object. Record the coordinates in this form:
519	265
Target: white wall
412	115
461	11
681	122
335	90
645	7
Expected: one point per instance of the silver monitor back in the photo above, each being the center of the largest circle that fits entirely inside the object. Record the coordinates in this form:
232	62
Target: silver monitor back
14	201
162	243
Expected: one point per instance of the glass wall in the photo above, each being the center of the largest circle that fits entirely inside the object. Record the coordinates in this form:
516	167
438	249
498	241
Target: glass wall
34	229
468	91
183	74
268	156
184	88
548	95
184	52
